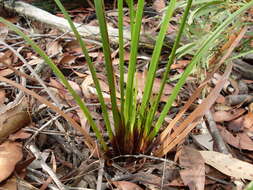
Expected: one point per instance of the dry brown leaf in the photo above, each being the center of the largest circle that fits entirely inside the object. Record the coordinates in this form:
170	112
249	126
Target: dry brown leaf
248	121
54	48
87	139
236	125
90	91
239	140
204	139
76	87
181	64
194	173
10	154
35	61
228	165
125	185
159	5
21	134
2	96
6	72
83	120
62	92
141	82
73	46
221	99
13	118
67	59
3	32
10	184
192	120
87	82
221	116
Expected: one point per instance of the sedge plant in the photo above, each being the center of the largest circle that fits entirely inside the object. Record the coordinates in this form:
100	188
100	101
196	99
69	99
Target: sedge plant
135	124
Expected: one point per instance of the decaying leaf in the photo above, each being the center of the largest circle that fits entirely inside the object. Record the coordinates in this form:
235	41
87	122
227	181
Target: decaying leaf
194	173
13	118
125	185
54	48
10	184
228	165
248	121
2	96
191	121
10	154
221	116
159	5
239	140
141	82
3	32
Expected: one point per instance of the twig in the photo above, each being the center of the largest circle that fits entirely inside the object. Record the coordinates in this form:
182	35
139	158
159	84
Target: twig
38	180
218	140
149	157
33	73
100	174
45	167
86	31
164	170
218	180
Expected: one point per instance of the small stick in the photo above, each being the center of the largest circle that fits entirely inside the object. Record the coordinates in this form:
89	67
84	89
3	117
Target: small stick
148	157
221	145
100	174
33	73
45	167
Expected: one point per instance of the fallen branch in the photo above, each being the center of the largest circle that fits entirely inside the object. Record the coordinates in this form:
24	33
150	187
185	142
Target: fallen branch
90	32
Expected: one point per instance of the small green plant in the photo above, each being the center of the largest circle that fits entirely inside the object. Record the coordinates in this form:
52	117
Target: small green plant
135	124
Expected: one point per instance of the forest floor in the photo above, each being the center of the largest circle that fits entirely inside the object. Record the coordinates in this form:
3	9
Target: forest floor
41	150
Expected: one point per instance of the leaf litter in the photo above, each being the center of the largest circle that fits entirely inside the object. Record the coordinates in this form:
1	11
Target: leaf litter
75	165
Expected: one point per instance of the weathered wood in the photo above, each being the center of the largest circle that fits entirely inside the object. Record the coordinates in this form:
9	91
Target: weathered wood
86	31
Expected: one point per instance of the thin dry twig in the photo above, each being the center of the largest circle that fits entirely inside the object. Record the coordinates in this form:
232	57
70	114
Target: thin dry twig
87	139
100	174
33	73
45	167
218	140
148	157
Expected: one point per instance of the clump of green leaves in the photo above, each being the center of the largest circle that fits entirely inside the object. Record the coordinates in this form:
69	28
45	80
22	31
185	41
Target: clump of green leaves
135	124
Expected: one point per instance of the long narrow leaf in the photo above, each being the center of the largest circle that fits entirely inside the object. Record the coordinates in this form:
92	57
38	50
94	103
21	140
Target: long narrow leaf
99	5
130	4
91	67
121	54
167	69
155	57
133	59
